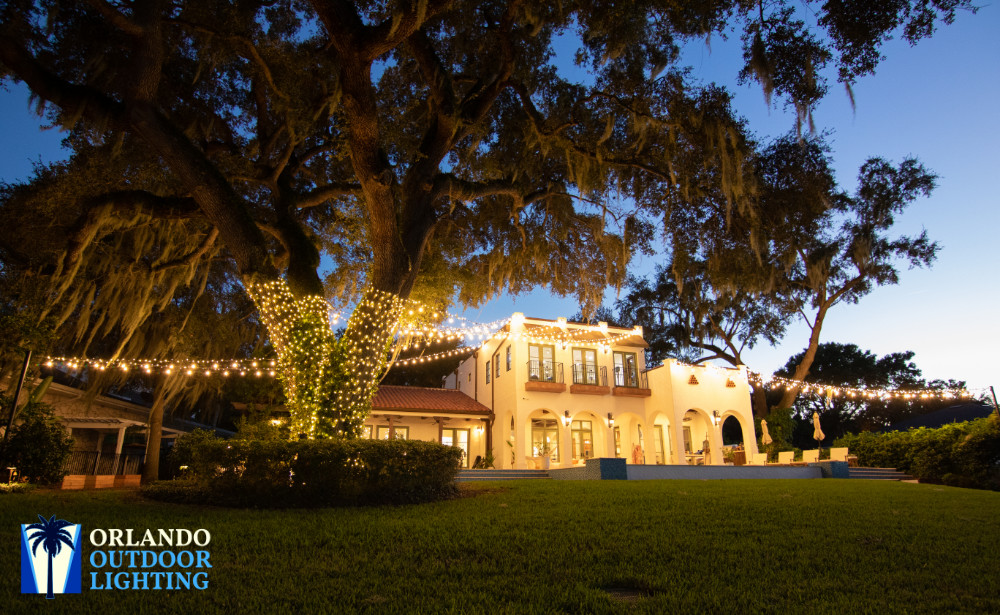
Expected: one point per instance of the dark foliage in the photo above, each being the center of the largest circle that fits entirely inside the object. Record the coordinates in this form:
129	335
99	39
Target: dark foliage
38	447
305	473
959	454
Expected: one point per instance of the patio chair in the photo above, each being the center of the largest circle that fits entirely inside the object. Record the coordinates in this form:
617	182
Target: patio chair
838	454
758	459
810	456
786	457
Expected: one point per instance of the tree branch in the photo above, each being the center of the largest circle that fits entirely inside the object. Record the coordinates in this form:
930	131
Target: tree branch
348	31
324	193
251	52
539	122
192	258
74	100
115	18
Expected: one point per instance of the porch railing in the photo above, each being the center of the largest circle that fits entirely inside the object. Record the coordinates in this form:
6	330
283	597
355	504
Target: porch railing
94	463
630	378
545	371
588	373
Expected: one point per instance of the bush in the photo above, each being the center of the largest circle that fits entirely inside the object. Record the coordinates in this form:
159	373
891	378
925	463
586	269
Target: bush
6	488
280	473
958	454
39	447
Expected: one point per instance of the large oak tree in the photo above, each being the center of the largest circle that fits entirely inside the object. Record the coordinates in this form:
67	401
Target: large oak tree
405	139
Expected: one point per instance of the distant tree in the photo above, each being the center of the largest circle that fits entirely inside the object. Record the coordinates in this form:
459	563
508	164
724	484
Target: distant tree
429	373
847	365
832	247
602	313
740	276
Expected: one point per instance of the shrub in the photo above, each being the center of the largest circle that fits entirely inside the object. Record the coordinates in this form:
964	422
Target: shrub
11	488
280	473
958	454
39	446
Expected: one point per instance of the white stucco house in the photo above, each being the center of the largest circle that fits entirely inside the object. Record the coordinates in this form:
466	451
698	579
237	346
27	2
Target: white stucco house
571	391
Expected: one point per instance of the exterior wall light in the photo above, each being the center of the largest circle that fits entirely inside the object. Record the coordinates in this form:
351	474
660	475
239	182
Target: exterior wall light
611	420
566	419
716	418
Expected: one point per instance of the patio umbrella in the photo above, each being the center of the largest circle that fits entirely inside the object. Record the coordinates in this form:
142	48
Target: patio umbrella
817	432
765	438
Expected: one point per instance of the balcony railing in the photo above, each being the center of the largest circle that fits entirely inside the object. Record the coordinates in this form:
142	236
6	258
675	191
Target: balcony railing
630	378
92	462
545	371
588	373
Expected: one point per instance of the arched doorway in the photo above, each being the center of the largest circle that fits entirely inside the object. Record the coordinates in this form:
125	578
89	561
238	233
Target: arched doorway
630	437
660	439
738	432
587	437
700	442
543	435
732	431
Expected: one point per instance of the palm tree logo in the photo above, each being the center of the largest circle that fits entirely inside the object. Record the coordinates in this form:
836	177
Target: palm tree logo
52	535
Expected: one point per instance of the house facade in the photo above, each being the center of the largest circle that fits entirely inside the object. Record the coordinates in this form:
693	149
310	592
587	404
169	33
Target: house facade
570	391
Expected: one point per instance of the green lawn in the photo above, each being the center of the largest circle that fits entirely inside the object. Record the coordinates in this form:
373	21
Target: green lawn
822	546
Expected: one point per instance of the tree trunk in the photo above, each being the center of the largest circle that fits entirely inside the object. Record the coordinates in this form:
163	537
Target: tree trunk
154	436
802	369
759	400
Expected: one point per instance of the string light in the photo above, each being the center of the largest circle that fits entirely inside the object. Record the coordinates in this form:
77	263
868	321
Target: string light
825	390
148	366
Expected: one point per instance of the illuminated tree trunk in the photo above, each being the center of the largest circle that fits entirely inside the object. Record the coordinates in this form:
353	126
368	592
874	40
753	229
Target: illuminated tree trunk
328	383
154	436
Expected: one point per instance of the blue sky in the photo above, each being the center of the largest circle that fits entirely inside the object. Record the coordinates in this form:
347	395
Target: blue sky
936	101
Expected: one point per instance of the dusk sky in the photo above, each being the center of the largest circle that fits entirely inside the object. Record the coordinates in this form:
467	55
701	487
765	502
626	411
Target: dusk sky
936	101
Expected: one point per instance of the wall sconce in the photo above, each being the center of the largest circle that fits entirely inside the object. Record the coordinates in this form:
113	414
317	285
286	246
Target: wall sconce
716	418
611	420
479	430
566	419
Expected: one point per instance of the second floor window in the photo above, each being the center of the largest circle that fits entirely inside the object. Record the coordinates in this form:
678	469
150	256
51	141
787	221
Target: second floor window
584	366
626	370
508	357
497	362
541	362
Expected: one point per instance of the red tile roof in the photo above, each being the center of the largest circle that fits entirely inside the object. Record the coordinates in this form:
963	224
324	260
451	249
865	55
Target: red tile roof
425	398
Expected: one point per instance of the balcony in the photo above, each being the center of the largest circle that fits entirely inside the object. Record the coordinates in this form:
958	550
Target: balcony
545	376
630	382
588	379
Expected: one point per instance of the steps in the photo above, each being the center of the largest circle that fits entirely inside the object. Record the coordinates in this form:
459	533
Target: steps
465	476
878	474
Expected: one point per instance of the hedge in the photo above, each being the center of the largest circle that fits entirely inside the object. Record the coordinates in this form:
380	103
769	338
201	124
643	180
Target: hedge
959	454
279	473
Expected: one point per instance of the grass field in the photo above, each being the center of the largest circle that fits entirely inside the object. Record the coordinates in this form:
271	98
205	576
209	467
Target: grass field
806	546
